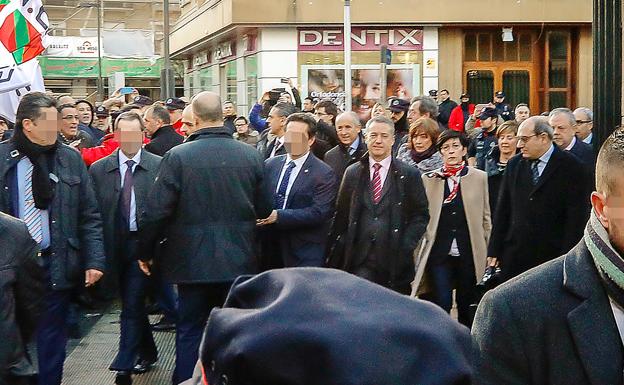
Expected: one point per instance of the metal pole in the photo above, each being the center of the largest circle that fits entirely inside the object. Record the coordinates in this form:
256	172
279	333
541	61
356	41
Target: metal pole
100	84
347	54
166	90
607	33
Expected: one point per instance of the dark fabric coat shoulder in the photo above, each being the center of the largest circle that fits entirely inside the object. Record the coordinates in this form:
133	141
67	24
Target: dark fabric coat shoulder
75	222
205	202
338	158
551	325
551	214
163	140
409	218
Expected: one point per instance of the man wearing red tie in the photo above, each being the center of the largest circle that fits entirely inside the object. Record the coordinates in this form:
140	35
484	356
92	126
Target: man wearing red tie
382	212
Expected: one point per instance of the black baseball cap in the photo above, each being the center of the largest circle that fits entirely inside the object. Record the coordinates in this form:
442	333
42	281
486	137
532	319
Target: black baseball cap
142	101
488	113
173	104
398	105
500	94
101	112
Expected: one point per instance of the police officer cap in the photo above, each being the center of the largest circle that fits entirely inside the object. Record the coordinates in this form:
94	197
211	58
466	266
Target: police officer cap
488	113
175	104
398	105
142	101
311	326
101	112
500	94
433	93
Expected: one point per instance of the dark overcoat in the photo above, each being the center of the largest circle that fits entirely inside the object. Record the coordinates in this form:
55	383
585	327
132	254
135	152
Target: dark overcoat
536	223
409	217
552	325
163	140
338	158
205	202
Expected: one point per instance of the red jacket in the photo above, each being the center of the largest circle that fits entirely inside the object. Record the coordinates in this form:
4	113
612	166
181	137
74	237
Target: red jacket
177	126
108	146
456	120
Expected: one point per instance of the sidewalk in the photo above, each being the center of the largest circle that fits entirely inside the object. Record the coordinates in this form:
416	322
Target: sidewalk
88	362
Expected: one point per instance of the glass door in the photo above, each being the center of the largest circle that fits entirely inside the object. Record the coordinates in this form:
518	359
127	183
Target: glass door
480	86
517	87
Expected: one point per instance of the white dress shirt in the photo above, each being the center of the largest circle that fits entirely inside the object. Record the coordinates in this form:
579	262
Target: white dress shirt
618	313
123	167
544	160
383	171
589	138
572	143
293	174
22	167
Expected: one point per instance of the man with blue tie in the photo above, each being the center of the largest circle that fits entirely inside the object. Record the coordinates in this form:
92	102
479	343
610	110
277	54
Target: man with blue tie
46	184
304	191
122	181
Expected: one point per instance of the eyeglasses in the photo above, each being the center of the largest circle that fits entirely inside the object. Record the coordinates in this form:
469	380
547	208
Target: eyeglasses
583	121
69	118
525	139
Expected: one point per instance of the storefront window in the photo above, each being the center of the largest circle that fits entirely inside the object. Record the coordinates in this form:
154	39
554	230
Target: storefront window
230	81
251	70
558	49
205	81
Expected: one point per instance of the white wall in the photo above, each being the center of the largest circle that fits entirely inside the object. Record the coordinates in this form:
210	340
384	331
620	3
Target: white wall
430	59
277	57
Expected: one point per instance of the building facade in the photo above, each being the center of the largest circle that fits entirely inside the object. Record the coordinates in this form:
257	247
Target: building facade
241	48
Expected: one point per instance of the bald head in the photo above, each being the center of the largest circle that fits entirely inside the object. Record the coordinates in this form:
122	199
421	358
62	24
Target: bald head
188	121
207	110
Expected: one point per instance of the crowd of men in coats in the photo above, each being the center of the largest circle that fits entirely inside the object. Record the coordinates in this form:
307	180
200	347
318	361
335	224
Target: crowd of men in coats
188	195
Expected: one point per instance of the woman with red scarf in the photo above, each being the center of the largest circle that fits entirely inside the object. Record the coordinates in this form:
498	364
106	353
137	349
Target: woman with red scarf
452	254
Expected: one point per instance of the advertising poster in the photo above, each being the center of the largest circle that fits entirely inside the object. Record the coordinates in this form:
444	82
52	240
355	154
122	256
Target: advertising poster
328	83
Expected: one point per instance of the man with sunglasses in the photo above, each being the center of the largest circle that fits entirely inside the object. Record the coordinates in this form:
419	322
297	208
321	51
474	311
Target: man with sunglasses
542	206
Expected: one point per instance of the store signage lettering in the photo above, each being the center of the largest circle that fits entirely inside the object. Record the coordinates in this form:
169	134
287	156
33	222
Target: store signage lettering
362	39
201	59
223	51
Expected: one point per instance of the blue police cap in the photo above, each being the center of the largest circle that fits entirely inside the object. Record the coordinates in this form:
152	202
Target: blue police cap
311	326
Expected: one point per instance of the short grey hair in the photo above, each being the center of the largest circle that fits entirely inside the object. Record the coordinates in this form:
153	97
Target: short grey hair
589	113
540	126
351	115
285	109
427	104
563	111
159	112
383	120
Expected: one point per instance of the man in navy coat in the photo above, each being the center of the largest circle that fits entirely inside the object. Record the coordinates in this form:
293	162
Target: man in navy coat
304	191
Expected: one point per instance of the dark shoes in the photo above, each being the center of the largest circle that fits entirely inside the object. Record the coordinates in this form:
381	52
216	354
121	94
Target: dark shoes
143	366
123	378
163	325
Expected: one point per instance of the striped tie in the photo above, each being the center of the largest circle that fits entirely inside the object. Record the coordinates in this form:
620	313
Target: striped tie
32	215
376	184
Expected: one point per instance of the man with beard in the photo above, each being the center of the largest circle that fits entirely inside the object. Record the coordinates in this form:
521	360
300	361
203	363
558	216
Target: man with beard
446	107
102	120
562	322
461	114
398	113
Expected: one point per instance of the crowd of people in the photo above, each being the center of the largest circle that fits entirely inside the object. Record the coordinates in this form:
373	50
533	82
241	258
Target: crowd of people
176	200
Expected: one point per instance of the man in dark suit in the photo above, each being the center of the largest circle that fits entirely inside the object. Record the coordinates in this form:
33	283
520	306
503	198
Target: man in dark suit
158	127
47	185
382	212
563	122
207	196
585	125
23	284
542	205
351	147
271	141
122	181
562	322
304	191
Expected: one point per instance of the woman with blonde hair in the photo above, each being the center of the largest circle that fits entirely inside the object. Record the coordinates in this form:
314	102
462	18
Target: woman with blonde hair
420	150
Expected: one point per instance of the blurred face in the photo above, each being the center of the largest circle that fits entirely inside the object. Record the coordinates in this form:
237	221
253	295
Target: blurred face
347	130
379	110
564	130
42	130
84	113
379	139
276	122
241	126
308	106
584	125
507	143
609	207
487	124
188	121
69	122
130	136
421	141
452	152
323	115
151	123
228	109
296	139
396	115
531	146
522	114
443	96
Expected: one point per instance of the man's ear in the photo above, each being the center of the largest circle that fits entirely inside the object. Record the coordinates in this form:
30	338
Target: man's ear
599	204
